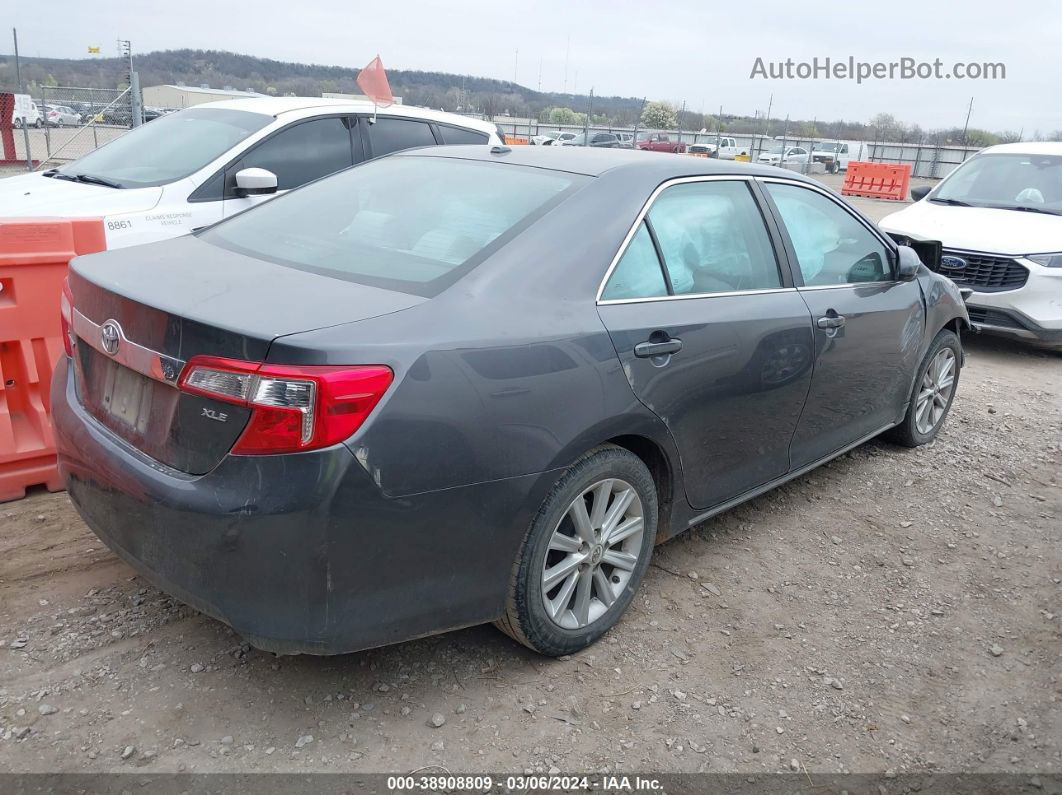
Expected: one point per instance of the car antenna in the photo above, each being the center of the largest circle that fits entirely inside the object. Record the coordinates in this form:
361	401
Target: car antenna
500	150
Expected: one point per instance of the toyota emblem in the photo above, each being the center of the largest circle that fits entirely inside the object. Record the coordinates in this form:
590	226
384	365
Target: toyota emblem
110	336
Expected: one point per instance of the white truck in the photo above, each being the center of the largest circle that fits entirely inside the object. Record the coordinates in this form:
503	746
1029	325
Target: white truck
724	148
26	114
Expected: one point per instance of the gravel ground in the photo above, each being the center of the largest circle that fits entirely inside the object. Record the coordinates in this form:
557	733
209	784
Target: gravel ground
894	610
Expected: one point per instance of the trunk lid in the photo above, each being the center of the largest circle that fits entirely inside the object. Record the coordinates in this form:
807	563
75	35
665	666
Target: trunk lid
167	302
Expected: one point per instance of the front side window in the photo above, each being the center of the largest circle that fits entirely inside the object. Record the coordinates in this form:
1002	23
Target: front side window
713	239
389	134
302	153
832	246
170	148
414	224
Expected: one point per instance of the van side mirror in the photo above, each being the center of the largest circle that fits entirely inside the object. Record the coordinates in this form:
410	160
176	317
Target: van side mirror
919	193
908	264
255	182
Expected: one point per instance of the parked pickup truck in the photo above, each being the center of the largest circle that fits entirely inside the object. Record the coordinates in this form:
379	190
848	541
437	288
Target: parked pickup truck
660	142
832	154
724	148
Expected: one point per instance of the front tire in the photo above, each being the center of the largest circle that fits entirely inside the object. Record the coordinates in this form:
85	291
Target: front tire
584	555
934	391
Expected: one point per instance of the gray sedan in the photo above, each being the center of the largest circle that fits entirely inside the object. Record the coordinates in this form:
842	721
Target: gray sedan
466	385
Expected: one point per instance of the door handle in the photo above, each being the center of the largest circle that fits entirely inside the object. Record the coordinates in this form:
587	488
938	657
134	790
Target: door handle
832	320
647	350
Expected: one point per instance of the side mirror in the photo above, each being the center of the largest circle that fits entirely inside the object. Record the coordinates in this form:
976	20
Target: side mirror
908	265
255	182
920	192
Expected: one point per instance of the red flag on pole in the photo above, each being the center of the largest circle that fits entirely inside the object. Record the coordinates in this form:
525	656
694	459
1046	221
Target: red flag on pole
373	82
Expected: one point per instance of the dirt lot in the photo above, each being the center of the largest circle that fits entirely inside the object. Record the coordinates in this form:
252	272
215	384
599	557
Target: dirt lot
893	611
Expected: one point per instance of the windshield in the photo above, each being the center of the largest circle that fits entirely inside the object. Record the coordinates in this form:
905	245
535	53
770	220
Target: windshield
825	147
414	224
168	149
775	150
1006	180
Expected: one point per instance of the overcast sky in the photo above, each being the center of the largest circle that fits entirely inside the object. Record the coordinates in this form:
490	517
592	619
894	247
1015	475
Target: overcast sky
691	51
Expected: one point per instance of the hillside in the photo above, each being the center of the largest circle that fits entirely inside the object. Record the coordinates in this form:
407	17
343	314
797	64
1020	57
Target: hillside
451	92
220	69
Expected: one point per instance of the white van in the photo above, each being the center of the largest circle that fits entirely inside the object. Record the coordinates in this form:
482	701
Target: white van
193	168
26	112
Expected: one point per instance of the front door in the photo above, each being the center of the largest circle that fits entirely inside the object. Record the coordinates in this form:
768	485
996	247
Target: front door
297	154
868	325
712	335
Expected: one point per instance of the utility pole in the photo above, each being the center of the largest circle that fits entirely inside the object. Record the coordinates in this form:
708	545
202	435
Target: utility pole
516	63
125	48
637	121
589	113
966	126
767	129
18	82
18	70
567	52
540	74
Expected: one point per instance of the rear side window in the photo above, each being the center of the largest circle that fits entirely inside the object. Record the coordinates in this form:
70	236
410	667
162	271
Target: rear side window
638	273
302	153
713	239
414	224
459	135
388	135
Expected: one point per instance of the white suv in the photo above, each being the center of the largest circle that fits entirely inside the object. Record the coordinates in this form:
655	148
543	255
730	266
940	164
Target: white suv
999	217
190	169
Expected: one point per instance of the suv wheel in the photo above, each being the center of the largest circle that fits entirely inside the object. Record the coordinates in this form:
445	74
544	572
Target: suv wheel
585	554
933	394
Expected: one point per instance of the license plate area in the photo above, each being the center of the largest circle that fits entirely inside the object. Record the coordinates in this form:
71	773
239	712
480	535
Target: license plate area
126	396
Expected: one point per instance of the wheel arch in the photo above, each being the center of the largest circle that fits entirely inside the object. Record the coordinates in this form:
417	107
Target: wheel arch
659	465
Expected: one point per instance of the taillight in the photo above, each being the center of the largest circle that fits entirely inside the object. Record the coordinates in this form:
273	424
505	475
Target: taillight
66	316
293	408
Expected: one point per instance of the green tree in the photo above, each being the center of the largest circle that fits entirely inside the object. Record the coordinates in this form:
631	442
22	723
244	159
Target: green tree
660	116
564	116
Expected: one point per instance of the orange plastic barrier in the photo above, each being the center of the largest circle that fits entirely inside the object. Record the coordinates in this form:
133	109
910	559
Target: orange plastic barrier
34	255
877	180
515	140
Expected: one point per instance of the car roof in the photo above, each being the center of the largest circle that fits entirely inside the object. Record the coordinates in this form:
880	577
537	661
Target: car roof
595	162
1026	148
275	106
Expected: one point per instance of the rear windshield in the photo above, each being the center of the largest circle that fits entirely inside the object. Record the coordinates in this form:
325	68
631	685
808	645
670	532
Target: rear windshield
408	223
170	148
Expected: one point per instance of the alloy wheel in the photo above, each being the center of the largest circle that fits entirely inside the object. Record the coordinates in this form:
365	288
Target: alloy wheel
935	392
592	553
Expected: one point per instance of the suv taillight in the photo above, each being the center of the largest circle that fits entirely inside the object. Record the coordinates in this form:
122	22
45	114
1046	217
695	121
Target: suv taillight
293	408
66	316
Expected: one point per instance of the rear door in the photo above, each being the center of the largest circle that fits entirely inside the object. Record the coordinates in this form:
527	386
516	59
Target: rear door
393	134
711	333
868	325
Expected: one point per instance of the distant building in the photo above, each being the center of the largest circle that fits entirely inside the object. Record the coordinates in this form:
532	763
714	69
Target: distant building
179	96
359	97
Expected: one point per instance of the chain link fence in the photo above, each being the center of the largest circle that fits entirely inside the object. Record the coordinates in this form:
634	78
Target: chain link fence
72	122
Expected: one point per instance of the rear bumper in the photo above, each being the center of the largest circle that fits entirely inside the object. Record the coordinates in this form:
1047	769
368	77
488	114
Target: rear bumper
298	553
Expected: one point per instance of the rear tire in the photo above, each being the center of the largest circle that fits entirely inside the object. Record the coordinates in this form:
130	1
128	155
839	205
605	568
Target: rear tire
933	392
567	590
